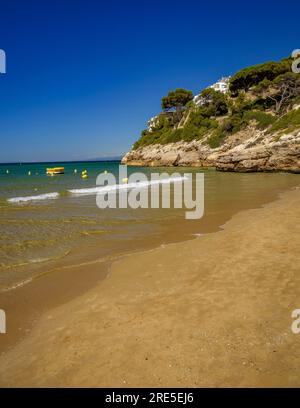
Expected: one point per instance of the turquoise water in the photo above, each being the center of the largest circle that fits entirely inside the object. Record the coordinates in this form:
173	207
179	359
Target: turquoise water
40	235
24	180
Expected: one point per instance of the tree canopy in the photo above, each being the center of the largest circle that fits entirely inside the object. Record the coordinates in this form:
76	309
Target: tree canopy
248	77
215	103
176	99
287	87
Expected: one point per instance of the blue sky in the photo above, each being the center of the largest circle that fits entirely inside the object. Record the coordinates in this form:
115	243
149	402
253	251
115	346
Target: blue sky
83	77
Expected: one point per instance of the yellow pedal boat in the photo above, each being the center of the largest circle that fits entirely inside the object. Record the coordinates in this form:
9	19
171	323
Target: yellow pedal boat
56	170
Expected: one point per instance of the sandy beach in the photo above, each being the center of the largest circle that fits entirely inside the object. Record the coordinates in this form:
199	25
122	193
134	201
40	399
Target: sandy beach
211	312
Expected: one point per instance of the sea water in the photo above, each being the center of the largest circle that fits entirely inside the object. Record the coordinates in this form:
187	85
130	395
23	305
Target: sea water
46	221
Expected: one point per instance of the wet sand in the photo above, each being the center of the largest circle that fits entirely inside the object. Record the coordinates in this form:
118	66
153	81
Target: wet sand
88	263
214	311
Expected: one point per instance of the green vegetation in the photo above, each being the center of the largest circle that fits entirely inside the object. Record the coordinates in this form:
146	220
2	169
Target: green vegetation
216	139
229	126
176	100
196	127
251	76
262	119
281	92
262	95
214	103
290	121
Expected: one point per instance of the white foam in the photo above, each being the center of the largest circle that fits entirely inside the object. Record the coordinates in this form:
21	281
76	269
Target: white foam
142	184
17	285
46	196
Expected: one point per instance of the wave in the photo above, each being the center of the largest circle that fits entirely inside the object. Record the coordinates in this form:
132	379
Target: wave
16	285
96	190
46	196
114	187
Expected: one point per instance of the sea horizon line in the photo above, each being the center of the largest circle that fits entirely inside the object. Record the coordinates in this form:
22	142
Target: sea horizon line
115	159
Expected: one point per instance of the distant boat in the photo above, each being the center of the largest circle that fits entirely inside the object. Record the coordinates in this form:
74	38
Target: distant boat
56	170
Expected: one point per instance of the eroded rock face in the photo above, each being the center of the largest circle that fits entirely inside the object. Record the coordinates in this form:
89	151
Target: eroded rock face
172	154
247	151
269	155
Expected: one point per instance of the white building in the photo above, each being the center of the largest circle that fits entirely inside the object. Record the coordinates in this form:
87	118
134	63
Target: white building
198	100
152	123
221	86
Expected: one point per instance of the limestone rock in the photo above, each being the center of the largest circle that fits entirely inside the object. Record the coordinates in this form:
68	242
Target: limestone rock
248	151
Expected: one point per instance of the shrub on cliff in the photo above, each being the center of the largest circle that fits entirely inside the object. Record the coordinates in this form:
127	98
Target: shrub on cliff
216	139
228	127
262	119
288	122
197	127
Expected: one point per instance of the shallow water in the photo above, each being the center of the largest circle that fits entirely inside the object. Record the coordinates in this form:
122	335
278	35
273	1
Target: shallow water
63	228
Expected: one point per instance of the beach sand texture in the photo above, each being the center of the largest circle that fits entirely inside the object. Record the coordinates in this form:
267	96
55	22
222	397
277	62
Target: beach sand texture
214	311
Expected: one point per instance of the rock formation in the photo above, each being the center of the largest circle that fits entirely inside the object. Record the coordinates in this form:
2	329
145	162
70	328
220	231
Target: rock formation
249	150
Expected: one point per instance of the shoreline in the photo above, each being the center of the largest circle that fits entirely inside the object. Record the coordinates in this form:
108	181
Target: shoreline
65	281
203	316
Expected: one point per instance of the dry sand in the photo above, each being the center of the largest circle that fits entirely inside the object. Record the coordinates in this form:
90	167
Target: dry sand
214	311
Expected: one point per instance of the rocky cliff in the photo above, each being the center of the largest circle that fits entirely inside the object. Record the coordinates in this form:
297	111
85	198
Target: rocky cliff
249	150
253	124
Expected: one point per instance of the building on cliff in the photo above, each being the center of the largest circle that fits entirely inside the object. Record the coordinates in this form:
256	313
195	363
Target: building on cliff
152	123
222	85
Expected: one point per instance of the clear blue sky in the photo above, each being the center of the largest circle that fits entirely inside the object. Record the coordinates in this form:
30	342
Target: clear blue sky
83	77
